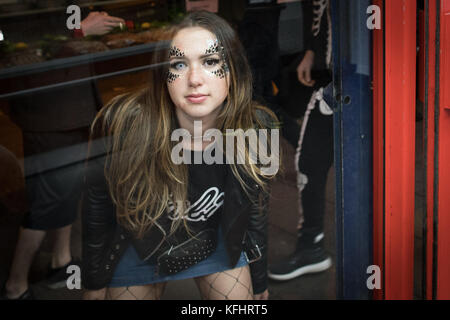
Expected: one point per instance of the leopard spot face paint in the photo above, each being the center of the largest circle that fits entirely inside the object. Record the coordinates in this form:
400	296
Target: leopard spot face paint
197	81
171	77
216	47
213	48
175	52
219	73
212	62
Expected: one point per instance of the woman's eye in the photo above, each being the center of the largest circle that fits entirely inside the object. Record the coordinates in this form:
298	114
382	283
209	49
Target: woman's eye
212	62
178	65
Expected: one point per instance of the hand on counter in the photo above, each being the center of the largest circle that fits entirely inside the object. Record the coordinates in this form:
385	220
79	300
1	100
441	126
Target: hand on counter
98	23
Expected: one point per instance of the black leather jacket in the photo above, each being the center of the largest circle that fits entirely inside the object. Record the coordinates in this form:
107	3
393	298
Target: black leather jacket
104	241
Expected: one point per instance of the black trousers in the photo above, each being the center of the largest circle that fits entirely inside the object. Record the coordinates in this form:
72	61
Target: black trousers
315	160
54	170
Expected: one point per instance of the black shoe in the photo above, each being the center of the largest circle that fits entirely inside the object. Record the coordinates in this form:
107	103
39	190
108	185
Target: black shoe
57	278
27	295
307	258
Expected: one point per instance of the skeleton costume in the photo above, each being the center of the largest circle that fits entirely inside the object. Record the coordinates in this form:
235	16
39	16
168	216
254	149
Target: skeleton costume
314	154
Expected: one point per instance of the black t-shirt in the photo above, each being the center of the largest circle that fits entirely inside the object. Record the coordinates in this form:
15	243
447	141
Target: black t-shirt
206	194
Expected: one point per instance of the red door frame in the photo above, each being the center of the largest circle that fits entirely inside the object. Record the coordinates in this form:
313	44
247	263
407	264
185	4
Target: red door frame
430	146
438	153
443	255
394	137
394	147
437	141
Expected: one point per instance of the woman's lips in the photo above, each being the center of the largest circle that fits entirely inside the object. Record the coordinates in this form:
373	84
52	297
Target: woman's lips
197	98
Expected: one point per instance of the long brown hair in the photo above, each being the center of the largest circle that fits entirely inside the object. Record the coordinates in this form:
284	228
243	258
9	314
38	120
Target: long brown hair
142	177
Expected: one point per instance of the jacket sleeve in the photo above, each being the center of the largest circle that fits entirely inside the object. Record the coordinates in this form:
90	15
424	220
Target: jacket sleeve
258	230
258	222
98	218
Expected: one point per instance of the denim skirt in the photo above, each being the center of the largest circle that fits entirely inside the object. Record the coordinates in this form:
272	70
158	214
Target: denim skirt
132	271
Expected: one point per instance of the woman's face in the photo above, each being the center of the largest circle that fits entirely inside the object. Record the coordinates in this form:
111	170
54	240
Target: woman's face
198	78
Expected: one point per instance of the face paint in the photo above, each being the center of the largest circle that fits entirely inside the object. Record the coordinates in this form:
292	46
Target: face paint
171	77
216	48
199	91
175	52
213	48
214	62
220	73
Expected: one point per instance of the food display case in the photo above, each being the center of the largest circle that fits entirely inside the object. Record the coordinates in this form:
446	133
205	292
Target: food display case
39	52
53	81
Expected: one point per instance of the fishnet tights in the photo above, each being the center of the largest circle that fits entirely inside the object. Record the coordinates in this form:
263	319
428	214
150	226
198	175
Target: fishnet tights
228	285
233	284
148	292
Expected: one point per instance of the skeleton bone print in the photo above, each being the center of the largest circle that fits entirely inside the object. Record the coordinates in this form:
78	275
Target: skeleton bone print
320	7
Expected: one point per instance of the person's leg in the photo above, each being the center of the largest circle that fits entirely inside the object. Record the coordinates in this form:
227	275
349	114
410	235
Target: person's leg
56	196
235	284
28	244
61	248
57	275
315	160
147	292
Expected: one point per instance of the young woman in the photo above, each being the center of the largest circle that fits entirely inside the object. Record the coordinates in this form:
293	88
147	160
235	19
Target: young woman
148	219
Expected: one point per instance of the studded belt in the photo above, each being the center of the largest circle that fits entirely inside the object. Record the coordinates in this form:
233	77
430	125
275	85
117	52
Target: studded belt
185	255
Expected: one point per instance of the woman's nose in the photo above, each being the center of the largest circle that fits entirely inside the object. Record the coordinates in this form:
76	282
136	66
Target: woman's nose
195	76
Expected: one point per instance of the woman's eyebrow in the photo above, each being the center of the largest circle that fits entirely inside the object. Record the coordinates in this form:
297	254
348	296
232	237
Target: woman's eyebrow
187	58
208	55
179	58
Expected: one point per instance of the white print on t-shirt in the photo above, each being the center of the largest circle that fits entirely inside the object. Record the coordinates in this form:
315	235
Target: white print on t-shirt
210	201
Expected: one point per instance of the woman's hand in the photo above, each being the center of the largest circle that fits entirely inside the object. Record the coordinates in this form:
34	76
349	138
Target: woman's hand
262	296
304	69
95	294
98	23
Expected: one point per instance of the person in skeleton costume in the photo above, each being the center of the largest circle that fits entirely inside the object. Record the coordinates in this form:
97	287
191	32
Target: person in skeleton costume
314	154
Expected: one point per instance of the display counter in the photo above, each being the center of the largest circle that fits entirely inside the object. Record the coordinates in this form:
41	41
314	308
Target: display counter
55	73
44	60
